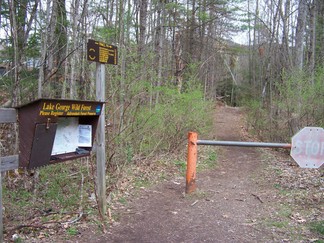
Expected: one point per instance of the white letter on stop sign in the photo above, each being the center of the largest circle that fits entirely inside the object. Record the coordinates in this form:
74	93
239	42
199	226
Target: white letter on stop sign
317	149
308	147
298	148
312	148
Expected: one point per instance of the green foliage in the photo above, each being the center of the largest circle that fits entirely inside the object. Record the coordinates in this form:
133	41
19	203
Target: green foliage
212	156
141	181
182	165
21	198
301	96
57	187
60	189
164	127
285	211
278	224
174	6
204	16
107	34
319	241
123	200
33	46
256	117
297	101
208	158
72	231
318	226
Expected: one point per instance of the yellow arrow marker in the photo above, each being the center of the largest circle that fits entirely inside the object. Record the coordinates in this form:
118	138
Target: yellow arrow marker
92	57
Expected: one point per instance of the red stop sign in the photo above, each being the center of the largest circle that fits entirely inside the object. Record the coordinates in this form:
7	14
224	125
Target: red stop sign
307	147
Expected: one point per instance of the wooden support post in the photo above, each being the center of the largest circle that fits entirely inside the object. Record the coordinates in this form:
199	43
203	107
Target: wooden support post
191	162
7	115
1	217
101	139
6	163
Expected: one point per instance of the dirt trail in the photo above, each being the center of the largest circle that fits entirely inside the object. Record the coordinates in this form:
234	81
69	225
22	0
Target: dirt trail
224	209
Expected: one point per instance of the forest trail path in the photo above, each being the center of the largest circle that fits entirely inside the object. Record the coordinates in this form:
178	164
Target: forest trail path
225	208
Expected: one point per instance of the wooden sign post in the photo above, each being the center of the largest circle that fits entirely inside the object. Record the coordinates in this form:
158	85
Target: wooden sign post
9	162
101	139
101	53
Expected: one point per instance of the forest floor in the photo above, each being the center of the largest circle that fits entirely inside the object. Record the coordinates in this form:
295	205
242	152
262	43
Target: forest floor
249	195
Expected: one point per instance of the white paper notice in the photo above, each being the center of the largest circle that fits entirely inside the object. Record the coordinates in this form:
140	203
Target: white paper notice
85	136
67	135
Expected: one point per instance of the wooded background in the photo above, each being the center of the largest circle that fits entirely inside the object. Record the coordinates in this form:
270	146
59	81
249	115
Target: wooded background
177	60
176	57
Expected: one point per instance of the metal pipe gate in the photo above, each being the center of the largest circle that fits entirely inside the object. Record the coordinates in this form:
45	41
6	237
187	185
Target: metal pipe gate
193	143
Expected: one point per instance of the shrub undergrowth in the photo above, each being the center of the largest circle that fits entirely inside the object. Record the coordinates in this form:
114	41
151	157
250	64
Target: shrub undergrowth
167	124
295	101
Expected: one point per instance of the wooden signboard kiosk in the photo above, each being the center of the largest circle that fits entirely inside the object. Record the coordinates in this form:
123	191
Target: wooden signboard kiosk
56	130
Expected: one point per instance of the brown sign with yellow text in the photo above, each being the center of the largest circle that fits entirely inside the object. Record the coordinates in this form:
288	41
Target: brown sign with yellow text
101	52
57	108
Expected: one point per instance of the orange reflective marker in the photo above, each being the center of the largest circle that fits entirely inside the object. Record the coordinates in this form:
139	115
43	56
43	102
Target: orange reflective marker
191	162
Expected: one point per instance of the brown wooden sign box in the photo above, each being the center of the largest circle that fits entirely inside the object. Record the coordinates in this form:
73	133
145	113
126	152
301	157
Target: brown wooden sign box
48	127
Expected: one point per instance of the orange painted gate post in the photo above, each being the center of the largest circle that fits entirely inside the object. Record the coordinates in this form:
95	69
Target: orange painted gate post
191	162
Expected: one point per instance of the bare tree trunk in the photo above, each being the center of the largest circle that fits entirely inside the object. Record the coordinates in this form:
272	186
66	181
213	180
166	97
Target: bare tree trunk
57	42
66	73
160	47
250	44
123	64
16	63
178	61
319	33
255	42
287	60
142	24
192	27
75	21
0	12
300	31
44	51
312	44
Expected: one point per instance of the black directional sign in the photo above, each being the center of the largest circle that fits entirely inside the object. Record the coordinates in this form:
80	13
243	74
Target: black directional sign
102	52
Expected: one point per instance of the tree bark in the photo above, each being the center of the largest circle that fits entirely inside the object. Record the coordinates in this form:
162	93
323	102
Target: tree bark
123	64
142	24
179	63
44	51
57	43
300	31
75	21
312	42
17	57
160	47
